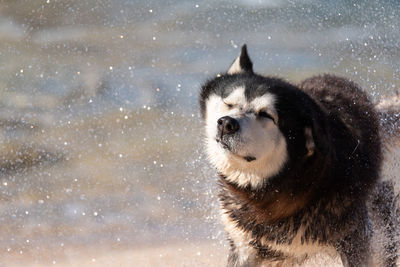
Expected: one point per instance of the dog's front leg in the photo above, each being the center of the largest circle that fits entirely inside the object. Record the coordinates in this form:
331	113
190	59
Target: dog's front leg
240	256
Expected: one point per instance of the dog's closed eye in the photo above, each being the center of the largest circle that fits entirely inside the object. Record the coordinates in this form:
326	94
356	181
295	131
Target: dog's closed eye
264	114
228	105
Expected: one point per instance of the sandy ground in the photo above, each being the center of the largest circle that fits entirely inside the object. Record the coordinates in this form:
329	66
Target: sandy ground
200	254
177	254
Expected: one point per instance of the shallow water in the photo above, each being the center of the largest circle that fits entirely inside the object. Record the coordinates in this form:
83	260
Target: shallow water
100	137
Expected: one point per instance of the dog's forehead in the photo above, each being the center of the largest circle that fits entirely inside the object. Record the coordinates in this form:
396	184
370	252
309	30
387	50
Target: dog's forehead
236	96
239	96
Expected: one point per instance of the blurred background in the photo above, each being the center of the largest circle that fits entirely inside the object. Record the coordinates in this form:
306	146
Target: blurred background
101	158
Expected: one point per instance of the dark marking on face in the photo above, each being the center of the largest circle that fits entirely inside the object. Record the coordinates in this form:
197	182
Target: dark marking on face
249	158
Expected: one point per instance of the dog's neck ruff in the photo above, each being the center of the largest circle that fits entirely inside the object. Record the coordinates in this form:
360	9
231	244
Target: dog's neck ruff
238	171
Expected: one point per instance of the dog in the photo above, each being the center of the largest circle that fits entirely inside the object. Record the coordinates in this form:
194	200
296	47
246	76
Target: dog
299	168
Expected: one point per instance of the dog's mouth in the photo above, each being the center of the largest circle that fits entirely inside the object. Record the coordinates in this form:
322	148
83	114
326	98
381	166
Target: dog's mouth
226	146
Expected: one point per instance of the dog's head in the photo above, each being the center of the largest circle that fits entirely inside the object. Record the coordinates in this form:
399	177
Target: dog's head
255	125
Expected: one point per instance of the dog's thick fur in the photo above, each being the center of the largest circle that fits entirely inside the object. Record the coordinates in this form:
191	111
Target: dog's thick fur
309	194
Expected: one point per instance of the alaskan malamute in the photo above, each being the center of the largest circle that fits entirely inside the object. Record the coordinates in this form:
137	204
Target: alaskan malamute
298	166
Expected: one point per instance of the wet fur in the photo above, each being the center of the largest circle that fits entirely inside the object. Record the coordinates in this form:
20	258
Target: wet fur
317	202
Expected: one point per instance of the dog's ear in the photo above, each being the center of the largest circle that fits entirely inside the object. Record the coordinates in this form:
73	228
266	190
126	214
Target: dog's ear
317	137
310	144
242	63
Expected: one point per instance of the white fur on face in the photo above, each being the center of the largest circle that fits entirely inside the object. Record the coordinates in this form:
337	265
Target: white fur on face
258	137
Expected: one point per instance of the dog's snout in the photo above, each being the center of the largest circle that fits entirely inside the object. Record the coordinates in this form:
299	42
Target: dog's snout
228	125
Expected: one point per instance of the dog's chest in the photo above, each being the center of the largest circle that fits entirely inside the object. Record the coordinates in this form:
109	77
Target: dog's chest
294	251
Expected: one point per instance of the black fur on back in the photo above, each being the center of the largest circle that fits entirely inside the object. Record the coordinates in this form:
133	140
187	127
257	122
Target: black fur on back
354	128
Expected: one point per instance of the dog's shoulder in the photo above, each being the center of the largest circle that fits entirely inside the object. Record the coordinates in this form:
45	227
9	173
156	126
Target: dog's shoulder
341	96
353	124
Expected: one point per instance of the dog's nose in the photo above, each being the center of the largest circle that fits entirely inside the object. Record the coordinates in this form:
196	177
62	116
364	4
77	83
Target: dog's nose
228	125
